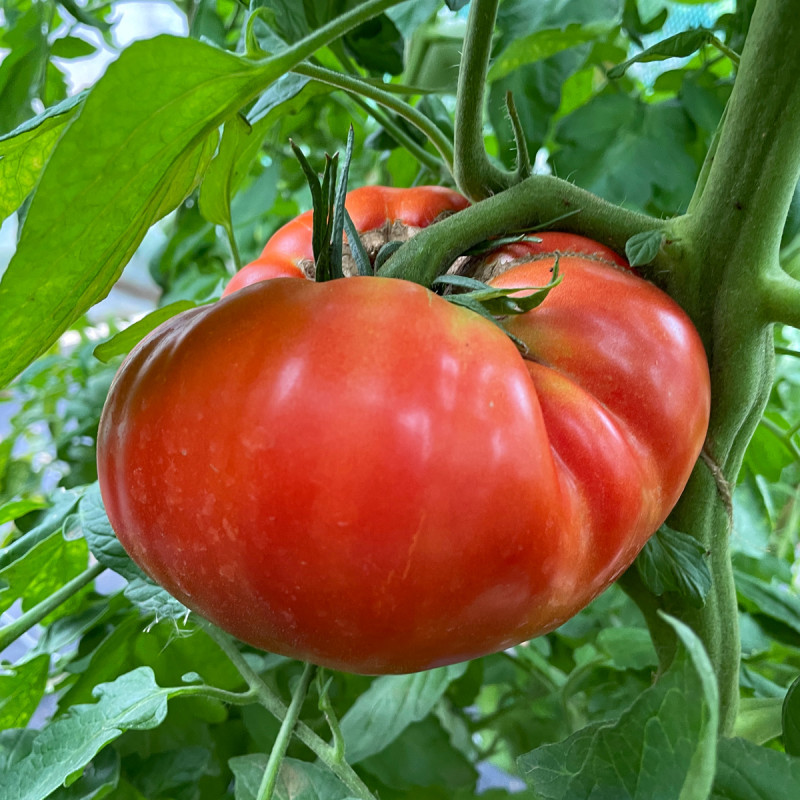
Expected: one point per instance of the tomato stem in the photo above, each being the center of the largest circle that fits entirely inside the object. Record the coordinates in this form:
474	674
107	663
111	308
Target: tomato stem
327	754
35	615
268	782
476	176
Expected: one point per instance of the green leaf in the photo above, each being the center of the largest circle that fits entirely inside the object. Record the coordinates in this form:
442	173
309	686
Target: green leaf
672	561
664	743
297	780
100	536
71	47
770	599
746	771
390	705
52	521
124	341
149	597
16	509
540	45
21	691
377	46
628	648
759	719
24	152
790	717
43	569
643	247
99	777
681	45
145	129
132	702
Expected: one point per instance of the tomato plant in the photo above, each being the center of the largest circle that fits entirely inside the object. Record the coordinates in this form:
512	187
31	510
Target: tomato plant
578	137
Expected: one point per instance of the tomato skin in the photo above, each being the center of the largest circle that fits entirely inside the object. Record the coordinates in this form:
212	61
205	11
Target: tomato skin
370	207
359	474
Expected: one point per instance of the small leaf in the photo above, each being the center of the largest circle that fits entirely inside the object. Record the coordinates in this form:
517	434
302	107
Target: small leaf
21	691
132	702
337	235
357	250
672	561
770	599
297	780
100	536
664	743
643	247
790	716
71	47
390	705
124	341
746	771
681	45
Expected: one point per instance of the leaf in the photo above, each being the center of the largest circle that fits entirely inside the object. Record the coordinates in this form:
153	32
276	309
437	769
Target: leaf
539	46
681	45
143	131
390	705
377	46
131	702
664	743
71	47
141	590
790	717
100	776
746	771
52	521
24	152
643	247
100	536
297	780
769	599
124	341
16	509
21	691
43	569
628	648
673	561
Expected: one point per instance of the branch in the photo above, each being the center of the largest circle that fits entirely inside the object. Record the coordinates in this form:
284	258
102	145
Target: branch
536	201
779	298
360	89
475	175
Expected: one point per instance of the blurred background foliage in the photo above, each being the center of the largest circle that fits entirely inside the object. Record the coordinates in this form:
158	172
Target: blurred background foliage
638	140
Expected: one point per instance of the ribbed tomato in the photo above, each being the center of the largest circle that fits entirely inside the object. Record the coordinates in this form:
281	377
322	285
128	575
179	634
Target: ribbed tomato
361	474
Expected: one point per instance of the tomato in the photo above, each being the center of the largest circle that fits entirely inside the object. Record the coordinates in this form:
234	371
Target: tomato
361	474
396	212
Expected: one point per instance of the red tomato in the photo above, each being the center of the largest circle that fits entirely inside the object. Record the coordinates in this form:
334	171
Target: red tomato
370	208
360	474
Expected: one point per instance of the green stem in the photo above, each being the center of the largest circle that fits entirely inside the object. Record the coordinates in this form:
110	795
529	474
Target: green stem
267	698
534	202
329	32
35	615
361	89
278	752
726	275
475	175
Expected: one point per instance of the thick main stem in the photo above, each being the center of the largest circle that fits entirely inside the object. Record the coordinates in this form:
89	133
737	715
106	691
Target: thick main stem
724	252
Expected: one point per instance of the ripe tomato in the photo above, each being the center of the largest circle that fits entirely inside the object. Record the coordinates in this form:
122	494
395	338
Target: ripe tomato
360	474
380	209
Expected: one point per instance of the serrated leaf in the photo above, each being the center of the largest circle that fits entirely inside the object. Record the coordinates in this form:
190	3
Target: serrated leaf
100	536
666	741
21	691
681	45
124	341
24	152
790	717
746	771
154	601
132	702
672	561
146	123
52	521
297	780
770	599
643	247
390	705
